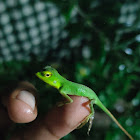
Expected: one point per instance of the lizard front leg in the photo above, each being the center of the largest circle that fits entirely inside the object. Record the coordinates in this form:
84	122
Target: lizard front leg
68	100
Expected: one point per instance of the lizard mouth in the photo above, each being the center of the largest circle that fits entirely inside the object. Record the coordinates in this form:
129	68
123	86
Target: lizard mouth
39	75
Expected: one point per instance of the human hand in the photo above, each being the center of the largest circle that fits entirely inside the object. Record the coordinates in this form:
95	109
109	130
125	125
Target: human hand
20	107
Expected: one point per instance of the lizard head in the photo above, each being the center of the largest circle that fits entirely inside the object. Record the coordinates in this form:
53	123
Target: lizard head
51	76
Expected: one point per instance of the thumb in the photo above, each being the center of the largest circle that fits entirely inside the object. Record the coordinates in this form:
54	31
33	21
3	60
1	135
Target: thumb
21	104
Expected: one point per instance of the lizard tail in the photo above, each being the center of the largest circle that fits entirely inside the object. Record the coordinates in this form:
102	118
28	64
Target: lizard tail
113	118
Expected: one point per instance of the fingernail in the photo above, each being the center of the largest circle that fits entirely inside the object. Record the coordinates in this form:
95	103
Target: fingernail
27	97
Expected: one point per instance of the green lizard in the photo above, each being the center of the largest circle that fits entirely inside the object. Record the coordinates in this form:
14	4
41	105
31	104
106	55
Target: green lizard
66	87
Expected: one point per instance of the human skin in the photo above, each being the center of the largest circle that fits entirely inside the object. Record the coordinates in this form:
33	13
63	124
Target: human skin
55	124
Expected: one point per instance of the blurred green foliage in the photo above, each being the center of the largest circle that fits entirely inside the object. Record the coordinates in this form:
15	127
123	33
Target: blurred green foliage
102	51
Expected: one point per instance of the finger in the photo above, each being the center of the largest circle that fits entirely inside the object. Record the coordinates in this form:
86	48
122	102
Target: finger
21	104
59	121
63	120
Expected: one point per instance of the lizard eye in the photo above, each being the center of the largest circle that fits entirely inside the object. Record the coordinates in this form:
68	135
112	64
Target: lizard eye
48	74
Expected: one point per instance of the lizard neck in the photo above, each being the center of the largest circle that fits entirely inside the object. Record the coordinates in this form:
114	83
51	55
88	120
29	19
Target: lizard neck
60	82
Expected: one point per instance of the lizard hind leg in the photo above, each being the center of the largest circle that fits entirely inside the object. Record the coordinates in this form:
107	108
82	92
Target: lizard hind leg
90	123
89	118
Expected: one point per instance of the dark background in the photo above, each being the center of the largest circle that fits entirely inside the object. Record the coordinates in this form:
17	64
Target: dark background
101	51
